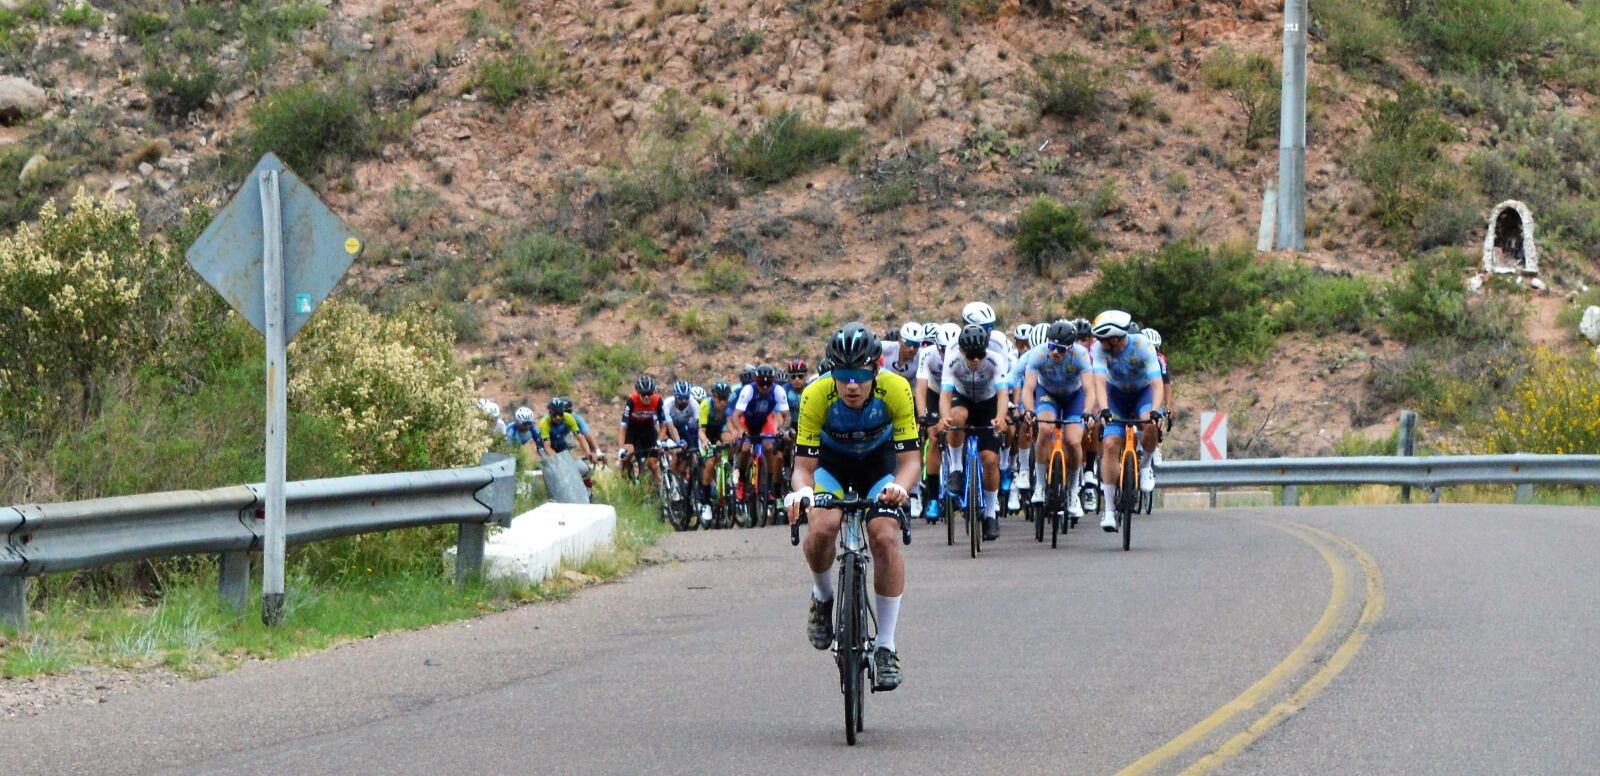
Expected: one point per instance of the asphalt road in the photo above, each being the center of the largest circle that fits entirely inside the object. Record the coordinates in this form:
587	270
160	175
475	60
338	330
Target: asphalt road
1418	640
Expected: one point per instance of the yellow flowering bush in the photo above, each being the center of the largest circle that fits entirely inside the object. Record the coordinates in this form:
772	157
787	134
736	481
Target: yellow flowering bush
391	385
1554	408
81	294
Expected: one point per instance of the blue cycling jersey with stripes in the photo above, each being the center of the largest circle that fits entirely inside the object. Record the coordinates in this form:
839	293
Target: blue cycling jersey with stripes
1063	377
1135	367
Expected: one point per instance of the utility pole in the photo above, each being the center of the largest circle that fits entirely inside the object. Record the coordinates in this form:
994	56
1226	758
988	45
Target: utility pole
1292	130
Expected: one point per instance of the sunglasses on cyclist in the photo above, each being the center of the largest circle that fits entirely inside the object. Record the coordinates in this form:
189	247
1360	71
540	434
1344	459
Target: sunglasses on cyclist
1056	347
854	376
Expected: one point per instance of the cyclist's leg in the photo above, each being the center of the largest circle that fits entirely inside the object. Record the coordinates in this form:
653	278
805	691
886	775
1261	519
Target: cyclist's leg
822	538
1123	405
957	439
888	566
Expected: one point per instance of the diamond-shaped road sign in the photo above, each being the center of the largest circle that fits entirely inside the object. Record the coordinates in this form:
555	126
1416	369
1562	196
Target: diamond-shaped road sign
317	249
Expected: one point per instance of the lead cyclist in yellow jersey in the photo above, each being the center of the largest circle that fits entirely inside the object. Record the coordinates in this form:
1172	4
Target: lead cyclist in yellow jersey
857	431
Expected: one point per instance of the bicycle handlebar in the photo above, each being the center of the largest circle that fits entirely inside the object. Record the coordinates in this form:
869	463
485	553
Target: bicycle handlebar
858	504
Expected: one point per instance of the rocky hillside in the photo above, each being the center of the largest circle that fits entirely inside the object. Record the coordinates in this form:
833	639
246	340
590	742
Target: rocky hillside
588	188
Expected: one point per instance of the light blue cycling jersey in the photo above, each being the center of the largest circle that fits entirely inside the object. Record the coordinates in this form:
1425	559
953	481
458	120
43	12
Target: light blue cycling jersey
583	425
1019	368
1059	379
1135	367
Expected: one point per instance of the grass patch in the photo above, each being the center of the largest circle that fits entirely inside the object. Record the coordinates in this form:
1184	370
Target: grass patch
787	146
80	15
549	268
310	124
189	630
724	275
611	368
1403	160
889	195
505	79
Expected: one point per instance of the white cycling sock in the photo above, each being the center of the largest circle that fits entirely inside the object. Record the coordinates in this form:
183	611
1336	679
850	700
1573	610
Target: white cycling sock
822	585
1038	475
1005	459
1109	492
989	497
888	611
1072	481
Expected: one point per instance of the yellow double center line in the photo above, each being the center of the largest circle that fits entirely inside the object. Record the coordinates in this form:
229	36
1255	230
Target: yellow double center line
1290	666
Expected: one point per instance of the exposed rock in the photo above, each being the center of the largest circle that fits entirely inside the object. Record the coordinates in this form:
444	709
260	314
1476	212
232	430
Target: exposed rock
20	99
136	100
32	168
621	110
1589	327
146	168
119	185
1537	284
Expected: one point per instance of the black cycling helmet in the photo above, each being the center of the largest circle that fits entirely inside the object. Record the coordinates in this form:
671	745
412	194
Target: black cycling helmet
645	385
555	407
680	389
766	373
1062	333
824	365
854	347
566	403
747	374
1085	330
721	389
974	341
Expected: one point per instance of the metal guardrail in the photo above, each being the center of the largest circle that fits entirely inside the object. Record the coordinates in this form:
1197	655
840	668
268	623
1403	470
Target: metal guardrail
47	538
1427	472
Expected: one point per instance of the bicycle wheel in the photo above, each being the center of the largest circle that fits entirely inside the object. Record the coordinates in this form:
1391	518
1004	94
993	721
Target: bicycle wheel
848	644
974	512
1058	495
1038	517
1127	499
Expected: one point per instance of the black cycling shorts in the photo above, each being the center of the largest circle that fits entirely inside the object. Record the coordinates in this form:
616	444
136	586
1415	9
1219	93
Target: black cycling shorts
981	413
643	438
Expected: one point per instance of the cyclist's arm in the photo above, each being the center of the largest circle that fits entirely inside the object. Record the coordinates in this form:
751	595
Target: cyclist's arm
1029	383
908	468
918	397
944	404
805	472
622	430
1002	397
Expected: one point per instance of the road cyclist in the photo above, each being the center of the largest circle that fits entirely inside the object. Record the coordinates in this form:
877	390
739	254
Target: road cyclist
930	376
644	424
857	432
973	395
762	408
1059	384
1128	378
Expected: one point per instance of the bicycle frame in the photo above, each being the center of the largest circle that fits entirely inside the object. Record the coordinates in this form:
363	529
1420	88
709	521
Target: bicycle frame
971	486
1057	475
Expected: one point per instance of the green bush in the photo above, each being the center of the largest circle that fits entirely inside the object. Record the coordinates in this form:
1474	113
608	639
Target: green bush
1447	382
1251	81
1050	234
1066	86
1428	300
1358	34
1211	304
505	79
176	89
142	26
1403	160
1329	304
549	268
1470	35
890	195
309	124
787	146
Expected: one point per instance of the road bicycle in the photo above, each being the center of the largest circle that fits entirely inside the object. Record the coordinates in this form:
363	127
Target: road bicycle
672	490
855	624
1128	487
1057	475
970	499
756	508
722	478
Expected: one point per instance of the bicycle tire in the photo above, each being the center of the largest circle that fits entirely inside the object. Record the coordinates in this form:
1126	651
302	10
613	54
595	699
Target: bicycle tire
1058	494
974	514
1127	499
758	491
848	642
1038	519
948	513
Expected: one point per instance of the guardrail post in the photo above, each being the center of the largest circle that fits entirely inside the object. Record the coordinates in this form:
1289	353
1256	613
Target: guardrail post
1524	493
1291	495
233	579
14	603
469	551
1407	446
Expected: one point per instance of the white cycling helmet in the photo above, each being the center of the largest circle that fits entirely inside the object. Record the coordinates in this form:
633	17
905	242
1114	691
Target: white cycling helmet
930	331
524	415
1037	334
1112	323
698	394
978	313
1154	337
1023	332
947	336
489	408
913	332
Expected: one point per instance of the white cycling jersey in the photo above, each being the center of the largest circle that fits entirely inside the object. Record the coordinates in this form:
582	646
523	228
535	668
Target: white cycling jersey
930	366
975	384
909	369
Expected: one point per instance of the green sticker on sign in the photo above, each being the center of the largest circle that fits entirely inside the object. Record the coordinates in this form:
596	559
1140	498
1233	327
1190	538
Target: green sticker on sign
302	304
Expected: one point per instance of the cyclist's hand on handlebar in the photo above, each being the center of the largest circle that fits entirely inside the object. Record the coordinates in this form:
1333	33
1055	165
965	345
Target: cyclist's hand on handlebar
1105	416
893	495
793	501
1000	425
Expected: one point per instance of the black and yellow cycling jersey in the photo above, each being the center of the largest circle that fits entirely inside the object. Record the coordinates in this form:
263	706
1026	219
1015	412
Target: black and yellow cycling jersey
828	428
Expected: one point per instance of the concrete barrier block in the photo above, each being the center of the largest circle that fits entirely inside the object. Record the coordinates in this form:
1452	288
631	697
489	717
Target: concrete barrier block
542	540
